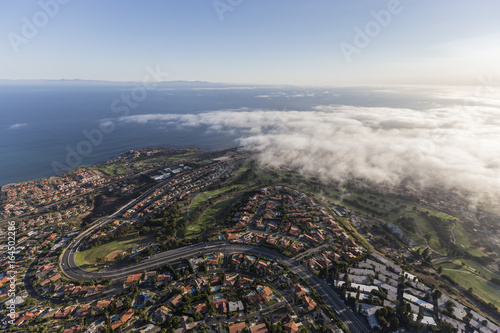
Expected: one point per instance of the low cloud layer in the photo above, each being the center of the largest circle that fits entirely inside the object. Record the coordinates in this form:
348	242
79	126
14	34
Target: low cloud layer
15	126
451	147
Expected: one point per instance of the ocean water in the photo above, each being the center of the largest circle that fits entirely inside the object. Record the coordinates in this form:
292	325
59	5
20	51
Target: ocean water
42	122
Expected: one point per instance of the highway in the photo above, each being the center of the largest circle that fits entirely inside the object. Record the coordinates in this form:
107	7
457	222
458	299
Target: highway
72	270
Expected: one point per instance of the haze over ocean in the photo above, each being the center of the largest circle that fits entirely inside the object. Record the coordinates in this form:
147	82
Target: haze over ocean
382	134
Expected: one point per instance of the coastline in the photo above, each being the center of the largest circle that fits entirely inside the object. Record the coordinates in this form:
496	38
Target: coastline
4	187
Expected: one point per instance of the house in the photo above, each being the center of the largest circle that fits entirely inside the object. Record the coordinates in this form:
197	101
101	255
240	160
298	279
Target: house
319	236
122	319
54	287
161	315
236	306
261	265
213	260
62	314
174	301
215	280
309	303
260	328
259	238
188	288
94	289
229	281
325	261
141	300
313	263
295	231
236	259
265	292
50	313
163	279
237	327
82	311
321	318
272	240
221	305
201	308
53	278
311	225
232	236
299	289
131	279
284	242
291	327
334	256
252	298
296	248
244	282
24	318
186	325
308	239
104	304
74	329
149	275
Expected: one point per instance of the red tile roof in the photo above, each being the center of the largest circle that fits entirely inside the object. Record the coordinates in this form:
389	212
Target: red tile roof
237	327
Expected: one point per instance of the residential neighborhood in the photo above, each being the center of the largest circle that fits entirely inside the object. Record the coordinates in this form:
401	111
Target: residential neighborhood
269	259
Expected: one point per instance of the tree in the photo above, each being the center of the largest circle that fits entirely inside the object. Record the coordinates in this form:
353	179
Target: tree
394	323
425	254
382	321
437	294
420	315
198	316
448	328
127	302
450	306
175	322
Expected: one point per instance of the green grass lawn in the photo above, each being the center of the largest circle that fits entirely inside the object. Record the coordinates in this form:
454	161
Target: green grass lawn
423	224
195	228
462	240
164	159
485	272
88	258
205	196
206	220
244	167
113	170
467	279
80	261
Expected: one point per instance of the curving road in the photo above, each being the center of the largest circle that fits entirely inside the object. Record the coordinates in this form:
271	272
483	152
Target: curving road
72	270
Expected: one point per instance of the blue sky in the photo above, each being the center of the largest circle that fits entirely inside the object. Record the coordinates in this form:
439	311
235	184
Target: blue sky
257	42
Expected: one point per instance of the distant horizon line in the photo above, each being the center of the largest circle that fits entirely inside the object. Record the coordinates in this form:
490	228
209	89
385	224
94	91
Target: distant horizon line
361	85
